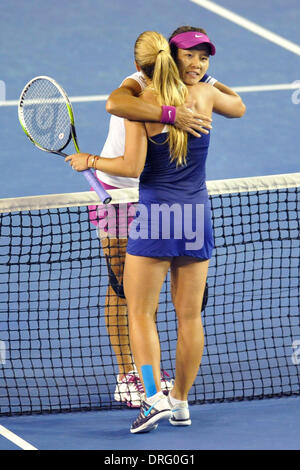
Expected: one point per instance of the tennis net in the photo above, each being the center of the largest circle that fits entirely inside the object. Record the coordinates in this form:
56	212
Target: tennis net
56	354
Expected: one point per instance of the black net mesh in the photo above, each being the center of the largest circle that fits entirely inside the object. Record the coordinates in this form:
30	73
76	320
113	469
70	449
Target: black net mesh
55	307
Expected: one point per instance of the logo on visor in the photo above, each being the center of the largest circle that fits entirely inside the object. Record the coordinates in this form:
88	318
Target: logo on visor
198	35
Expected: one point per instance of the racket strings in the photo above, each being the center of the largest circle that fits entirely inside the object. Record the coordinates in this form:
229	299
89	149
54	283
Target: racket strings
45	115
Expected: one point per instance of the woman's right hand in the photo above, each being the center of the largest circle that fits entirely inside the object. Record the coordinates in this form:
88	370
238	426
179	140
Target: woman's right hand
192	122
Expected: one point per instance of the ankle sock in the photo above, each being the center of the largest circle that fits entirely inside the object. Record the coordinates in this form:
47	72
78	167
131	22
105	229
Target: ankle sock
154	398
174	402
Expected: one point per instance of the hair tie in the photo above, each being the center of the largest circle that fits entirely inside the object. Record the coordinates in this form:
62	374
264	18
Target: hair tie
160	51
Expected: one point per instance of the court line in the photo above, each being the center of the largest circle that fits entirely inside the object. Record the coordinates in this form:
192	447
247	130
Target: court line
15	439
280	86
250	25
74	99
242	89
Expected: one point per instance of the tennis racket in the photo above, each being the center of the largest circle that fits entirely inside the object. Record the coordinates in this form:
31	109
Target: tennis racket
46	116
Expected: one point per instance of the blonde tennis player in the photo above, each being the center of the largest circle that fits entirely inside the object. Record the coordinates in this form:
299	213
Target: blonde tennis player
123	103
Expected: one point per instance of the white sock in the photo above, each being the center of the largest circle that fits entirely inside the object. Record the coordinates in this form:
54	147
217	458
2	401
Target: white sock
154	398
175	402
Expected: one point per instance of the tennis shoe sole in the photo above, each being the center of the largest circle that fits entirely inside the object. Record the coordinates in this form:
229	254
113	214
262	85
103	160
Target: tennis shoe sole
180	422
151	423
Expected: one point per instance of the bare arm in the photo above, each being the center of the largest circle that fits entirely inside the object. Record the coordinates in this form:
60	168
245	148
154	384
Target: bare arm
124	102
131	164
225	89
226	102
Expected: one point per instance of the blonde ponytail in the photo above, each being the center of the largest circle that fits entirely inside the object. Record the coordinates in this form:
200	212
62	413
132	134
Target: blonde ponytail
152	54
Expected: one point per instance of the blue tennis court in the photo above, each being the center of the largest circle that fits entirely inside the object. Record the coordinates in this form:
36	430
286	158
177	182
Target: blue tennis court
87	46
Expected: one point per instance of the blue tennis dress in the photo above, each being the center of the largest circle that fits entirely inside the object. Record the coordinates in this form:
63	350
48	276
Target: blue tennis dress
173	216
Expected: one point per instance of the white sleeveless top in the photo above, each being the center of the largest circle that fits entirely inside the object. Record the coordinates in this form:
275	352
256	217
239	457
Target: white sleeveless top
115	145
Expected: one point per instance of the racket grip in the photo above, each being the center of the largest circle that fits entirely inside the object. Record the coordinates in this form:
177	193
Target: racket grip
97	186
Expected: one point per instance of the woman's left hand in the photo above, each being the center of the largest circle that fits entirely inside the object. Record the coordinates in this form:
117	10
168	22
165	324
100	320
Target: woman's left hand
78	161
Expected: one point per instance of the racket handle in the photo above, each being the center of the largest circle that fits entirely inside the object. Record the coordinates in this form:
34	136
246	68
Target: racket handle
97	186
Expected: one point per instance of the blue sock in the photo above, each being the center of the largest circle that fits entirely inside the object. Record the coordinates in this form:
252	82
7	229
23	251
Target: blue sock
147	373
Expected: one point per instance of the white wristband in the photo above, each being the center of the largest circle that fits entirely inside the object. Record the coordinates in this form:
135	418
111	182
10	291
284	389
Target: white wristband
211	80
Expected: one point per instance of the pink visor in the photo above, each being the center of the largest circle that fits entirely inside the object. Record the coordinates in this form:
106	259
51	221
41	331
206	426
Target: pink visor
192	38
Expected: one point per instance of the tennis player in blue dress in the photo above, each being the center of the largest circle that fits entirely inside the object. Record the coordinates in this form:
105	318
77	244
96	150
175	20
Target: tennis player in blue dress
172	229
173	216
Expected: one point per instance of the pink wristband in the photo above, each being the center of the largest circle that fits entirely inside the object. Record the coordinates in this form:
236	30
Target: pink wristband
168	115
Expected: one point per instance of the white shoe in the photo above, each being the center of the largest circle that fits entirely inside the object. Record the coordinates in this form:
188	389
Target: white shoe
180	414
151	413
166	385
129	390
